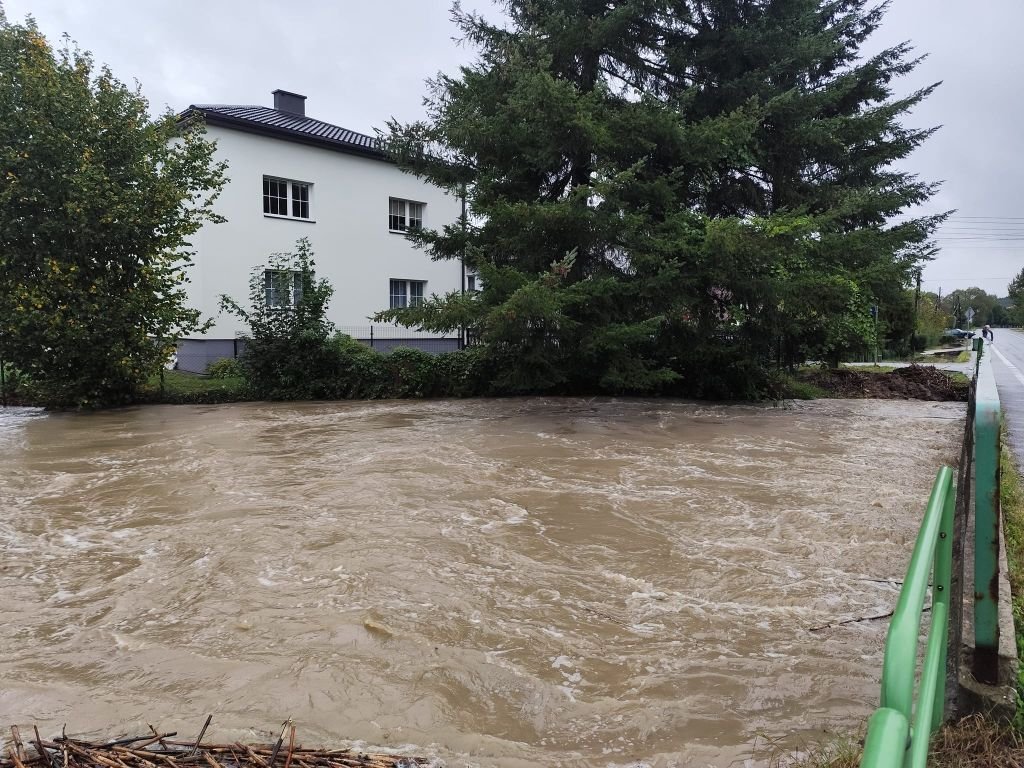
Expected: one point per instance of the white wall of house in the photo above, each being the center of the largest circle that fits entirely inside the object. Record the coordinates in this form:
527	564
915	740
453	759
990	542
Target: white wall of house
348	229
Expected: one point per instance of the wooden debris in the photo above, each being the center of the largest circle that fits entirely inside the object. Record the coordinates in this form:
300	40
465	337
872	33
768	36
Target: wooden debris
159	750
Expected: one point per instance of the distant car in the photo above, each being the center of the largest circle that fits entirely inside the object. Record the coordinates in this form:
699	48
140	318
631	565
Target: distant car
957	333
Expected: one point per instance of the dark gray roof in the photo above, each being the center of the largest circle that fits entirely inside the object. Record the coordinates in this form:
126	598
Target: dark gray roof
289	126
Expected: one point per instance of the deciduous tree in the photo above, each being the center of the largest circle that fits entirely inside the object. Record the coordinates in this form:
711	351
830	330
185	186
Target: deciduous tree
97	204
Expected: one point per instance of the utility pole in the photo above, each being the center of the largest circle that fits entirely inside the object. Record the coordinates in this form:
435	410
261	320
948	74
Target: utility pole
917	296
874	315
917	310
463	332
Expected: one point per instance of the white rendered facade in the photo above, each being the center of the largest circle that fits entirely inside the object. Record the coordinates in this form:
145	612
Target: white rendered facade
352	200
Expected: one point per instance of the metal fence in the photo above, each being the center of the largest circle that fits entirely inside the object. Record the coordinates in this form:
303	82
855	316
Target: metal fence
195	355
891	742
385	338
987	524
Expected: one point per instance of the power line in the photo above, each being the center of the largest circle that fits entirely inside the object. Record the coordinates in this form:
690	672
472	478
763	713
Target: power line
986	218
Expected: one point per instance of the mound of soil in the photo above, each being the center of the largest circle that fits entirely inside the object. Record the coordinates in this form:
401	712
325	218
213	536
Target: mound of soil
915	382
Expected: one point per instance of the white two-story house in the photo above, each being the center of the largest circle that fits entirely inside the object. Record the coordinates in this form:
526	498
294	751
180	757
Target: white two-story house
291	176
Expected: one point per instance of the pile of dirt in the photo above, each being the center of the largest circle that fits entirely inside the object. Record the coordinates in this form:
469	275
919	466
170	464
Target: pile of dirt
915	382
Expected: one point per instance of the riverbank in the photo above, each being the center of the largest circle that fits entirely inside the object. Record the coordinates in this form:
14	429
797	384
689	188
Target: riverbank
915	382
402	382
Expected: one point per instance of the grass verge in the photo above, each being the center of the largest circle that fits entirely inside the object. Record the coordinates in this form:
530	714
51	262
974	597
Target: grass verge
1011	502
794	387
974	742
870	368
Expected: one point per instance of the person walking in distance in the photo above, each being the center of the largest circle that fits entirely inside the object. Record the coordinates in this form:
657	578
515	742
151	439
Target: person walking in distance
986	333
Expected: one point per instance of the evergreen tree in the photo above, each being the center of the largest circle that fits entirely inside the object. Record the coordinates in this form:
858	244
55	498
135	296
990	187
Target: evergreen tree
669	195
815	246
576	176
1015	292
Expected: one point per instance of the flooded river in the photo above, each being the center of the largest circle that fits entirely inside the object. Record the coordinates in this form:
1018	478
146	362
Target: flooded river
496	583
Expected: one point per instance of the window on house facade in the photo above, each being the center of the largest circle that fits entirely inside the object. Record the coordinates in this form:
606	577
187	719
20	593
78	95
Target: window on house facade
404	215
283	288
470	282
407	293
300	200
278	192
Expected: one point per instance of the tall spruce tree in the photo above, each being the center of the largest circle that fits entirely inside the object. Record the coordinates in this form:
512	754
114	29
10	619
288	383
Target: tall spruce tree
806	228
668	195
575	175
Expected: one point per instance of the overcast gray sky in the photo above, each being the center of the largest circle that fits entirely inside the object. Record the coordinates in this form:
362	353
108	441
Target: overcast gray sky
360	63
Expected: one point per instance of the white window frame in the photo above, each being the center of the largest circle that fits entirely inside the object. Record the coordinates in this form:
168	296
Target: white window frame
401	216
294	191
401	294
294	291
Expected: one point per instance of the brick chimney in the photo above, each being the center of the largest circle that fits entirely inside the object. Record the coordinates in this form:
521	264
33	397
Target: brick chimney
286	101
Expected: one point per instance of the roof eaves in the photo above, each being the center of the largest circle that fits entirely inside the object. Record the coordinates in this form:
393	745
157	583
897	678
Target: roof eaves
214	117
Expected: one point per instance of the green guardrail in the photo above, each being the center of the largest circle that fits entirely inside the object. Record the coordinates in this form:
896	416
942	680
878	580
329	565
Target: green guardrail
987	525
898	733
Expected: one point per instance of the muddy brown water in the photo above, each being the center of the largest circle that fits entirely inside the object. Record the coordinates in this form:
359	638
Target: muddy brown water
492	583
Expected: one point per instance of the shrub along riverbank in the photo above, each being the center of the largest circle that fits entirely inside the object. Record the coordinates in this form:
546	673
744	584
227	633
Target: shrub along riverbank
344	369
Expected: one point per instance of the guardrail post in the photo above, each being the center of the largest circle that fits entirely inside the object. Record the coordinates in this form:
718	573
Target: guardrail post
941	580
987	424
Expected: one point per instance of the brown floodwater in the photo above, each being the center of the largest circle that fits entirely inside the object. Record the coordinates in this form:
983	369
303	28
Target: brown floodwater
489	582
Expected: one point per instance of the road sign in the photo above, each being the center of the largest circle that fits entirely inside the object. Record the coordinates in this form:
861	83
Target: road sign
969	314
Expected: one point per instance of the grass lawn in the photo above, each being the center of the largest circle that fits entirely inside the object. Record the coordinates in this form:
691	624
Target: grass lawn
181	387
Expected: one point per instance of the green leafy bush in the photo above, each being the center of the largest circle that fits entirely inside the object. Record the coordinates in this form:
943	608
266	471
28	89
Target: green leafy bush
289	352
17	387
98	205
225	368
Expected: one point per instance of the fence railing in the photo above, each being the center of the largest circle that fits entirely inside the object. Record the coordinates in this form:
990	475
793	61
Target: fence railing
898	731
987	524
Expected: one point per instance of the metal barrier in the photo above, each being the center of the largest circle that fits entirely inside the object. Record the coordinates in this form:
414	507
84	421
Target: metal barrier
987	523
891	742
899	731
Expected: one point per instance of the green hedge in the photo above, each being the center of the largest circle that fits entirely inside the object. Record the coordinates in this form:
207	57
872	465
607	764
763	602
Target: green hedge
342	368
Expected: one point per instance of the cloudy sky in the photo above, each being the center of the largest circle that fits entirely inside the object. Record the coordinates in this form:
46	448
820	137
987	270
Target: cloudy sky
360	63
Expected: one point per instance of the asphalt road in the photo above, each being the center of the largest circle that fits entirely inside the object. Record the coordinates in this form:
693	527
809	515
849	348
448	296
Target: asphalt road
1008	366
